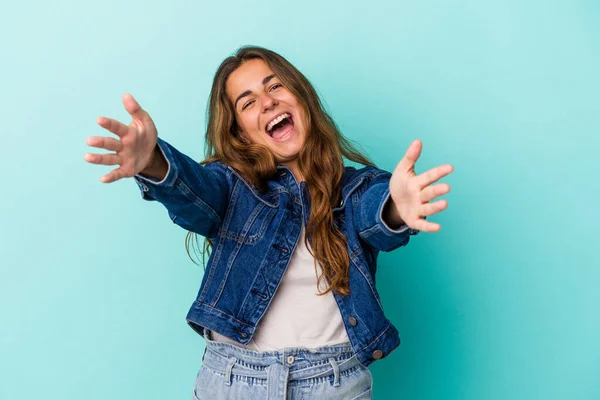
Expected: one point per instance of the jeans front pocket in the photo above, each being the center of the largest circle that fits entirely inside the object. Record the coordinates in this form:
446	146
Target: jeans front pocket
207	385
211	385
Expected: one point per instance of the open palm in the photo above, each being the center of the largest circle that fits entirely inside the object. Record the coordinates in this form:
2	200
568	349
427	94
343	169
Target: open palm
133	150
412	193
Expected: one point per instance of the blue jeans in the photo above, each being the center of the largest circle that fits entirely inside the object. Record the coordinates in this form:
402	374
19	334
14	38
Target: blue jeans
329	372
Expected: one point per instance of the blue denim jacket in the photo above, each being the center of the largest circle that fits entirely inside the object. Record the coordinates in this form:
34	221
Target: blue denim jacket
255	234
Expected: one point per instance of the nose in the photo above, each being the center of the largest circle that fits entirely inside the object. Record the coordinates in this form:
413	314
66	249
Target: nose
267	102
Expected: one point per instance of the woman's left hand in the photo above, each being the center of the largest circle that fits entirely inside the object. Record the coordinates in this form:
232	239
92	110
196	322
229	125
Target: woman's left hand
412	193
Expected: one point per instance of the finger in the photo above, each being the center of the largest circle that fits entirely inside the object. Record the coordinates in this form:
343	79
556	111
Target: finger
133	107
106	143
412	155
433	191
433	175
102	159
113	126
113	176
428	209
426	226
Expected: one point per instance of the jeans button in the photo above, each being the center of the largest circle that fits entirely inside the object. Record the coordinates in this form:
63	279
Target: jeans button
377	354
291	360
352	321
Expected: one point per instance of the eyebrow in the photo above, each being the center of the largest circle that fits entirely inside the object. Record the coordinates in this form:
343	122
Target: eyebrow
249	92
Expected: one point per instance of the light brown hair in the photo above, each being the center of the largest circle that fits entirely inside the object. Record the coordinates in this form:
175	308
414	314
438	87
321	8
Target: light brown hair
320	160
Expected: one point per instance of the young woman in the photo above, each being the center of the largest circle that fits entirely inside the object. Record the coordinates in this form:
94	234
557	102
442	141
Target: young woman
287	305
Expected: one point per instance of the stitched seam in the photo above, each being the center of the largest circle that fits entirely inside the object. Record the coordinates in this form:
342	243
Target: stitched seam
198	201
249	222
252	189
253	238
368	232
375	340
355	253
224	225
259	274
319	379
224	313
238	238
362	394
349	193
230	263
369	283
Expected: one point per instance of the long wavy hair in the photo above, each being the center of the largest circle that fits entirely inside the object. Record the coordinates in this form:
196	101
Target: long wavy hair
320	161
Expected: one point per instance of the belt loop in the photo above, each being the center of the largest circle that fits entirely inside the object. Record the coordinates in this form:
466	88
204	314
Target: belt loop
230	365
336	372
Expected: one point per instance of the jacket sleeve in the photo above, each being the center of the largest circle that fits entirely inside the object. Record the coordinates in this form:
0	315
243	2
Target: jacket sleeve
368	217
195	196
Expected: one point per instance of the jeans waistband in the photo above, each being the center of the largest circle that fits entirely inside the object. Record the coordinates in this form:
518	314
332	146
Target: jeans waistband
300	363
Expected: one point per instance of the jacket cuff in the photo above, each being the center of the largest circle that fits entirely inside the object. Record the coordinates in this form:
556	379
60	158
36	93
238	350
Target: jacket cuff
385	227
380	235
145	182
380	221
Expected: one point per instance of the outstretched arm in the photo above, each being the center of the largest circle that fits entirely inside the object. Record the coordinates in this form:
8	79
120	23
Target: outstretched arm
195	196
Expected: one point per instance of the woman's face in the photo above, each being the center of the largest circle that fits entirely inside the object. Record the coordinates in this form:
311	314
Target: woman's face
266	111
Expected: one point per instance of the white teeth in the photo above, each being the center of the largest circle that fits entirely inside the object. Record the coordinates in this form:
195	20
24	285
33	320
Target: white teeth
277	120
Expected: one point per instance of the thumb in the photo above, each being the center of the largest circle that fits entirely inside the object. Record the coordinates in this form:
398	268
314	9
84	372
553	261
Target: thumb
412	155
133	107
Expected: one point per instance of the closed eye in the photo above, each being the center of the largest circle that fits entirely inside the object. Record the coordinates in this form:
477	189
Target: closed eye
274	87
247	104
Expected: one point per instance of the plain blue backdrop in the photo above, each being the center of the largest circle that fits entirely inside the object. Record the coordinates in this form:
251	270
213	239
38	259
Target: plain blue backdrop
502	303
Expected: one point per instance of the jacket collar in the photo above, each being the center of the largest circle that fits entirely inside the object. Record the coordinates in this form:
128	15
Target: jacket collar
351	180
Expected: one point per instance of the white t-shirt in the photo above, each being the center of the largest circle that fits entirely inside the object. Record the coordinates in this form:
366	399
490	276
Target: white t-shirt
297	317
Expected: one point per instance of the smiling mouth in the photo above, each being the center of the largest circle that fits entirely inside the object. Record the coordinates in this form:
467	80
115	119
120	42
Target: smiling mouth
278	127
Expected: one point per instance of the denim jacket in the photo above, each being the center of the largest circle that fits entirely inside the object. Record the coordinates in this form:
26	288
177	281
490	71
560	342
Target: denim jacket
255	234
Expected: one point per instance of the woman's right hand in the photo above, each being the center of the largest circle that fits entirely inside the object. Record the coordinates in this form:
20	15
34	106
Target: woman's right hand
135	147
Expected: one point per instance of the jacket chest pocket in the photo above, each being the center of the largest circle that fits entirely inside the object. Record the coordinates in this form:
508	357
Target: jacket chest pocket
248	218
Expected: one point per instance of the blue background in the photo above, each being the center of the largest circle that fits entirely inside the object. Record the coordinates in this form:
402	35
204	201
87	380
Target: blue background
500	304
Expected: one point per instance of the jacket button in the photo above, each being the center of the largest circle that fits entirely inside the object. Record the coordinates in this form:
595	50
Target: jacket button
377	354
352	321
281	249
142	186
